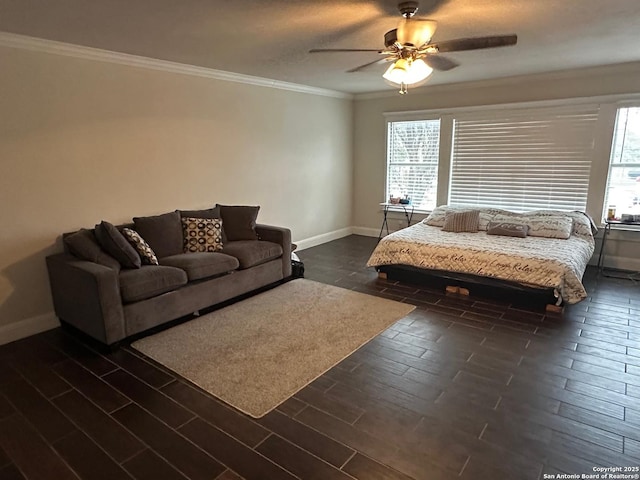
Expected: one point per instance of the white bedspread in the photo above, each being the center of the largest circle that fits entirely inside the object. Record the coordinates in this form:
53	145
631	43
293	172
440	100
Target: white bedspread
530	261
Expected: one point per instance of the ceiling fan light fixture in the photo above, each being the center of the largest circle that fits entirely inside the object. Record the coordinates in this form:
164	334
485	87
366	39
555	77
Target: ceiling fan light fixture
415	32
407	72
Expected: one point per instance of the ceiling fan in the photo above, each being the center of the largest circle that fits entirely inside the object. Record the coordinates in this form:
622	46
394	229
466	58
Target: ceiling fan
414	57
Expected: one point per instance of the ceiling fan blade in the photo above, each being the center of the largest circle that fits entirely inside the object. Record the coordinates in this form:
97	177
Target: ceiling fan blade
439	62
476	43
362	67
327	50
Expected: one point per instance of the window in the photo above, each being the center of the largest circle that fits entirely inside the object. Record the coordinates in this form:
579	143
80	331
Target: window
523	159
412	161
623	184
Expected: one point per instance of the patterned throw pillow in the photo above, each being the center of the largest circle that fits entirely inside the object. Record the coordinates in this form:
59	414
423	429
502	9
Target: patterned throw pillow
461	221
147	255
541	224
202	234
507	229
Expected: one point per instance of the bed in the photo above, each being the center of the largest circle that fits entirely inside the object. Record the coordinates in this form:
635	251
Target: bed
552	255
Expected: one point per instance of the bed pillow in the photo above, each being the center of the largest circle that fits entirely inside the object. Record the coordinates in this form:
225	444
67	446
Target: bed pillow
583	224
549	226
461	221
485	218
507	229
436	217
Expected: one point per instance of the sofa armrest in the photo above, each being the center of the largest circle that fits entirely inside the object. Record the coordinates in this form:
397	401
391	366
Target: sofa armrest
281	236
87	296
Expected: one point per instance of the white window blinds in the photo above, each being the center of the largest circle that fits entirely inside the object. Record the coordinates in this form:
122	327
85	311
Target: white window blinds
412	161
523	159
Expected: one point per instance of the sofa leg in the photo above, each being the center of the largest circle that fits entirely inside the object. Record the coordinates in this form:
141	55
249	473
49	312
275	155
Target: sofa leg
382	275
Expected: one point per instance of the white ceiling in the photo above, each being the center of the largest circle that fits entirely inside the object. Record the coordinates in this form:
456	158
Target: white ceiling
271	38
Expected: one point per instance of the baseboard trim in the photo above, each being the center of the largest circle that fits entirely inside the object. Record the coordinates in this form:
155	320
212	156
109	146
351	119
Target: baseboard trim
30	326
618	263
323	238
366	231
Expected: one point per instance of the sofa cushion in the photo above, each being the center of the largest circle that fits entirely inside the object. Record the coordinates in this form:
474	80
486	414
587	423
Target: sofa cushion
201	234
206	213
147	255
239	222
162	232
149	281
83	244
202	264
253	252
114	243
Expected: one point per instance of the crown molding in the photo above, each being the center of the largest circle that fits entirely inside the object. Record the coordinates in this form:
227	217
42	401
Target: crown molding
24	42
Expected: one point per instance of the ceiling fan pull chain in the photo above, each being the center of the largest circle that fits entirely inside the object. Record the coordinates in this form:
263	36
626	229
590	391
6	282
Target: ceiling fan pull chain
403	89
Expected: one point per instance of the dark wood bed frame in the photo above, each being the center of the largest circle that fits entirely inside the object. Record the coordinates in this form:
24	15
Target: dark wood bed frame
465	284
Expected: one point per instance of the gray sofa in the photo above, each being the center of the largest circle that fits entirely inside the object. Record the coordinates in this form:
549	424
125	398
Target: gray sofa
100	294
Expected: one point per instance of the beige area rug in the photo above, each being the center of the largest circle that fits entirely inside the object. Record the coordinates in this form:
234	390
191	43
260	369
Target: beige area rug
258	352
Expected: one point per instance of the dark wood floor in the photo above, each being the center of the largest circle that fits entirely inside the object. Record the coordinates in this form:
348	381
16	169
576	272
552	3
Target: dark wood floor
464	388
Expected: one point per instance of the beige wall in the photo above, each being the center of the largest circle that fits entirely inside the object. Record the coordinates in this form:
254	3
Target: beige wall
83	140
369	140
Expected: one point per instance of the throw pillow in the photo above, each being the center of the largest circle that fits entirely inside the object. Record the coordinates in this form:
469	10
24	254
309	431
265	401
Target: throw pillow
114	243
202	234
507	229
163	233
239	221
83	244
207	213
462	221
144	250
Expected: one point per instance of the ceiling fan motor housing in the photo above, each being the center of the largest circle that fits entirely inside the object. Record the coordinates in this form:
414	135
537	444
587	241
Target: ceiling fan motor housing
408	9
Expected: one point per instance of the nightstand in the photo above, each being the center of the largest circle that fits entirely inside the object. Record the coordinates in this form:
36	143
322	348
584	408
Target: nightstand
407	208
601	256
